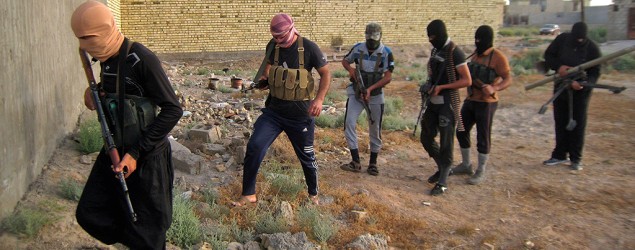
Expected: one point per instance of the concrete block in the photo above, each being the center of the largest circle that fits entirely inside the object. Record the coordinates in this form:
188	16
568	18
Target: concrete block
205	133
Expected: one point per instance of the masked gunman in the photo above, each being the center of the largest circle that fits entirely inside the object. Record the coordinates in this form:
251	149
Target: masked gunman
447	72
290	107
568	50
130	69
490	74
375	62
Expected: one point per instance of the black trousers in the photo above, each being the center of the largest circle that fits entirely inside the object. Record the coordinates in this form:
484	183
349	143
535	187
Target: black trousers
438	119
102	211
570	142
481	114
266	129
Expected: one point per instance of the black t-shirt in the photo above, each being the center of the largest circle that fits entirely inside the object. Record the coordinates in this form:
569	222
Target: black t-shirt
313	58
438	64
145	77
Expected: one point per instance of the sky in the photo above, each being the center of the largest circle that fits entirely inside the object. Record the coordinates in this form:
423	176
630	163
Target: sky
593	2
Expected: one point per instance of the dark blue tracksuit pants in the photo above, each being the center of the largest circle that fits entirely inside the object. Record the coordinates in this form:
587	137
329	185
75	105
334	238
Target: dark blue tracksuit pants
266	129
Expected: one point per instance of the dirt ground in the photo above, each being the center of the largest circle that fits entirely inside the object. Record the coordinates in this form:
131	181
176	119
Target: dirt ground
521	205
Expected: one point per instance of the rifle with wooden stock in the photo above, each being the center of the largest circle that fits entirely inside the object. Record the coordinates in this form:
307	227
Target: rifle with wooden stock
105	131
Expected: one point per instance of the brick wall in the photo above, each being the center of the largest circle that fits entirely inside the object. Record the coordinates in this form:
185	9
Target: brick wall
186	26
115	8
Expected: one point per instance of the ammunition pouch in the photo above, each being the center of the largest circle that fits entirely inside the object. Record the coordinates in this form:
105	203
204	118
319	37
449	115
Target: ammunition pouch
484	74
371	78
291	84
139	113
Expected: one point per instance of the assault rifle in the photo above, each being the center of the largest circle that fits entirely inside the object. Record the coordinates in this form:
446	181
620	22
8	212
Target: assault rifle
425	98
257	83
105	131
360	92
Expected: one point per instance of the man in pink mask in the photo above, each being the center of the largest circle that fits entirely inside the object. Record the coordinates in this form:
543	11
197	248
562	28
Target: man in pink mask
147	158
291	105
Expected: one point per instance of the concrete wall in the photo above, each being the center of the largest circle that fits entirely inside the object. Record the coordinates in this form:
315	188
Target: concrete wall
618	26
41	88
194	26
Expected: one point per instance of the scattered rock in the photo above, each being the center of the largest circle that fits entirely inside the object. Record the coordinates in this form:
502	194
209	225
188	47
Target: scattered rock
297	241
368	241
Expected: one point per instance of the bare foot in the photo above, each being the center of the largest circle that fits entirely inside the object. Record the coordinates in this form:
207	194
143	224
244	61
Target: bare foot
315	199
245	200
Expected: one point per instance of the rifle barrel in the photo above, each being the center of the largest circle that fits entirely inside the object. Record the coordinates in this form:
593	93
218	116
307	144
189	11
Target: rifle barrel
581	67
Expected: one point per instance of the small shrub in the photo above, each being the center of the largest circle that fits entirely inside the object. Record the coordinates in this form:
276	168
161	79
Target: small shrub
418	76
225	89
286	186
26	222
186	228
335	96
598	35
393	105
210	196
525	63
70	189
340	73
396	123
269	224
239	234
322	227
624	63
187	72
326	121
203	71
90	139
216	211
337	41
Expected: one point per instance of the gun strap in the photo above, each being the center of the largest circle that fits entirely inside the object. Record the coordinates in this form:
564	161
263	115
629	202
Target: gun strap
120	88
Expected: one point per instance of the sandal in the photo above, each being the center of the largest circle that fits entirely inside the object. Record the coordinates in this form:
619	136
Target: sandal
372	169
352	166
243	201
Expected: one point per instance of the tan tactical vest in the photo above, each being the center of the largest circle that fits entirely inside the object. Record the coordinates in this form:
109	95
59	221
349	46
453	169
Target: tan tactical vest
291	84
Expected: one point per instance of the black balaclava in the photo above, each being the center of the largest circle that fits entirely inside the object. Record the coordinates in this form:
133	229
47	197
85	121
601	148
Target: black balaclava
437	29
373	36
579	31
483	38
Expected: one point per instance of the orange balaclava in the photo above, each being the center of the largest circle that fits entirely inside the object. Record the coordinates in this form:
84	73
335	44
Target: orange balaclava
94	26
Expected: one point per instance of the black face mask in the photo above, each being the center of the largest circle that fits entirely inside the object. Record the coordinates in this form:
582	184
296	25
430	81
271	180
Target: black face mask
579	31
437	29
372	44
483	39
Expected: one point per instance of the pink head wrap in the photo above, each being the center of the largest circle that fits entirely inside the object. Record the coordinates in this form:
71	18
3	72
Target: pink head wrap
283	30
94	25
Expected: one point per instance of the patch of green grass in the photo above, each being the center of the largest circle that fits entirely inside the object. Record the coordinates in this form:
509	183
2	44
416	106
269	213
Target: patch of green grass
225	89
624	63
396	123
393	105
202	71
326	121
519	31
598	35
525	63
340	73
335	96
186	228
26	222
70	189
286	186
90	139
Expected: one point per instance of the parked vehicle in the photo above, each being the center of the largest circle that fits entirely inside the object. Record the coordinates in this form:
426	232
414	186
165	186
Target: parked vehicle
550	29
